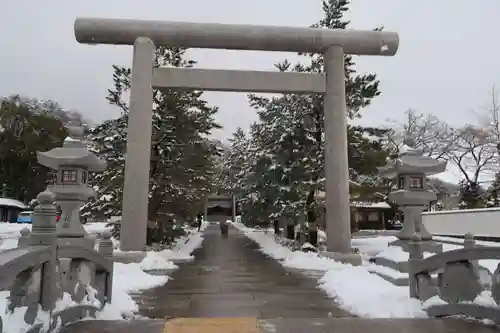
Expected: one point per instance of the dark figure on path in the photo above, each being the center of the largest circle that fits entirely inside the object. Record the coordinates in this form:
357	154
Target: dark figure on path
224	229
199	220
276	225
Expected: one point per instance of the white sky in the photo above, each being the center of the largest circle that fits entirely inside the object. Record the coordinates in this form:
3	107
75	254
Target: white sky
447	63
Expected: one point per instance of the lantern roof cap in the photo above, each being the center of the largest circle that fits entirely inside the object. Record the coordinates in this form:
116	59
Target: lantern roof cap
73	153
411	161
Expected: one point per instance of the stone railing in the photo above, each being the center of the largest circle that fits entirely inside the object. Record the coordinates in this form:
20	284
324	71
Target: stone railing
462	287
54	281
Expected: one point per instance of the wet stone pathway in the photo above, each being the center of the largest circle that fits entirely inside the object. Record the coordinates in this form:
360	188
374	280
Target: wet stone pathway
232	278
242	290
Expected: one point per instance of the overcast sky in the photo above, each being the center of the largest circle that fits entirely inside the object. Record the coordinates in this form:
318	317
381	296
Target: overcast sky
447	62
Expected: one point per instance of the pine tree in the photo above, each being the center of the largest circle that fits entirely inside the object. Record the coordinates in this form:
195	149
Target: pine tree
235	164
182	156
260	199
290	133
472	195
26	126
493	197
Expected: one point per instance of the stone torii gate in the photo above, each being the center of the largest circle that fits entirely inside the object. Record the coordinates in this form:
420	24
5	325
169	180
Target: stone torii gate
146	35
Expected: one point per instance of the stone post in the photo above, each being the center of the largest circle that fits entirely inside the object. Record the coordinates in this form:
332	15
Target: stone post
106	245
136	186
43	232
205	209
470	243
415	255
338	225
24	238
233	197
104	280
413	223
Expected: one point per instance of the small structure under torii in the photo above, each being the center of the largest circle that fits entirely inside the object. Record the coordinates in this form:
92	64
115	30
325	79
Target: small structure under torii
145	36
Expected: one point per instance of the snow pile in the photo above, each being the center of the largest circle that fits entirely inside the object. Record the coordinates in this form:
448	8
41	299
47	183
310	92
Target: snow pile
155	261
355	289
372	245
127	278
96	227
367	295
14	322
8	243
183	248
397	254
308	261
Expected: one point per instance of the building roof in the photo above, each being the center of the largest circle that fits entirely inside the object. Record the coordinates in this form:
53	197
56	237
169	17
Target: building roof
321	195
12	203
380	204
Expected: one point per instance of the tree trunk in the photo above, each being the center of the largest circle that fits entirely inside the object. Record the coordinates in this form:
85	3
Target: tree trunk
311	212
276	224
311	218
290	232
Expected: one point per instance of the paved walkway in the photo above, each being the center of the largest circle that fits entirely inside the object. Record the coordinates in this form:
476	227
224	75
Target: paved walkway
233	287
232	278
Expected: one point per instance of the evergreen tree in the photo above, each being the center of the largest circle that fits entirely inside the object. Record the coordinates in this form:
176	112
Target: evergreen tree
235	163
289	138
493	197
182	158
471	195
260	199
26	126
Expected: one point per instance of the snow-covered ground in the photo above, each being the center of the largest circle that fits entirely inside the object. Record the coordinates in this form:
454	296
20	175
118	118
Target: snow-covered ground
355	288
127	278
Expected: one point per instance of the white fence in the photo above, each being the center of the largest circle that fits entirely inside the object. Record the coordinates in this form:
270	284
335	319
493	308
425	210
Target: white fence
480	222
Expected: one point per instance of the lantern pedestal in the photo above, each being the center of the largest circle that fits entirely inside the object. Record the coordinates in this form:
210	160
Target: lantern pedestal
426	246
412	204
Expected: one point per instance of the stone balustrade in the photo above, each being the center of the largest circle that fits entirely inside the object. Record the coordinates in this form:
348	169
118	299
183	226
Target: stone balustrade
462	287
55	282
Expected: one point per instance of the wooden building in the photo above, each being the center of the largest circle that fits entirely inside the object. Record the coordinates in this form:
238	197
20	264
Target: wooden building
10	209
370	215
220	208
367	215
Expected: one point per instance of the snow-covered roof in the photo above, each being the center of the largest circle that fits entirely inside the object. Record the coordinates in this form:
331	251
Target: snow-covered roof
12	203
321	195
448	176
407	150
381	204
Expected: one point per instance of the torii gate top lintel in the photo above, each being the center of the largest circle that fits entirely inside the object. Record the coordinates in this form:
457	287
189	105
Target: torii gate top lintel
234	36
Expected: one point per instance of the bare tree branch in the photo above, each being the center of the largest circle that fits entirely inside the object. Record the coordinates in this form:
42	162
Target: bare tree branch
431	135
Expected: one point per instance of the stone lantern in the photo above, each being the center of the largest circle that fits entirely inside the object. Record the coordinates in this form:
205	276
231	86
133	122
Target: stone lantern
412	196
72	163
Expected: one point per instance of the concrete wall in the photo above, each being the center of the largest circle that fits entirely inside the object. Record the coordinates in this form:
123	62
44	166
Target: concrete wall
480	222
